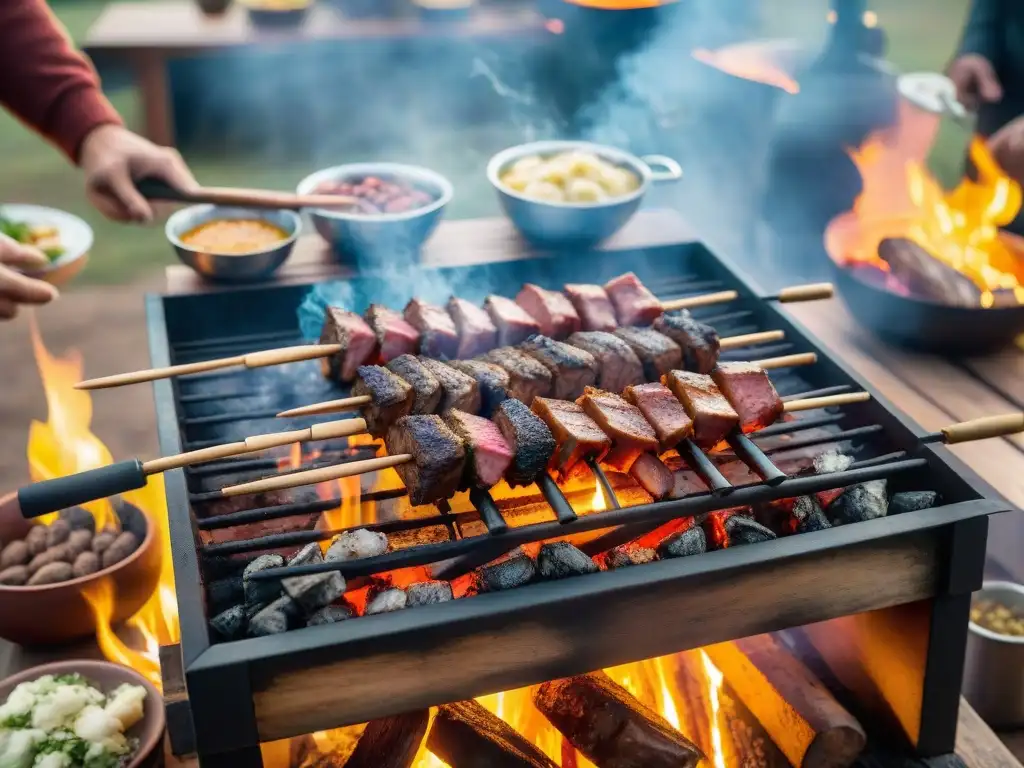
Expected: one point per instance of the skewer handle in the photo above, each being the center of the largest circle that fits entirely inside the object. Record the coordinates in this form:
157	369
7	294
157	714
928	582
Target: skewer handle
328	406
289	355
156	189
979	429
152	374
810	292
48	496
829	401
749	339
692	302
788	361
314	476
331	430
214	452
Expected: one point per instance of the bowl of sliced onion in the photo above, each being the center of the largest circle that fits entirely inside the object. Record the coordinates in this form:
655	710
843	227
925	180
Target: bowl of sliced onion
573	194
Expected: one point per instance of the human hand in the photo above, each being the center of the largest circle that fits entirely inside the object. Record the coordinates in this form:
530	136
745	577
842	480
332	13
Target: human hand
16	288
1007	147
976	81
113	158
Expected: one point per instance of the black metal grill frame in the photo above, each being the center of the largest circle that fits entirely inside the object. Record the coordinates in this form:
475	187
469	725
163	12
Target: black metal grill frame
226	675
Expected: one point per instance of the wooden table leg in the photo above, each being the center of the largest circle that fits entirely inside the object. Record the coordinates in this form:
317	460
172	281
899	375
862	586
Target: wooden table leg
157	111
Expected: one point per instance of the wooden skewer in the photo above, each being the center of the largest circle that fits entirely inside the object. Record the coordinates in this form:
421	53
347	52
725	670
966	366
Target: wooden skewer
154	189
353	403
809	292
978	429
320	475
810	403
252	360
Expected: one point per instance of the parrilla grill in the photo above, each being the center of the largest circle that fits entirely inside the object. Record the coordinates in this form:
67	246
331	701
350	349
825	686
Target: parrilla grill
239	690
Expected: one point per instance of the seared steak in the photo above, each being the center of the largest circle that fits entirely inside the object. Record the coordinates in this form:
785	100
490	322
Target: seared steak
425	386
356	339
623	422
617	363
512	321
576	435
527	378
438	337
699	342
394	335
663	412
593	306
492	379
488	454
529	439
391	397
713	416
551	309
477	333
750	392
572	369
457	389
634	304
658	353
438	457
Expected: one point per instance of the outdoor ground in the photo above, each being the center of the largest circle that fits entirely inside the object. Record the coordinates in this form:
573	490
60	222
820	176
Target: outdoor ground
102	314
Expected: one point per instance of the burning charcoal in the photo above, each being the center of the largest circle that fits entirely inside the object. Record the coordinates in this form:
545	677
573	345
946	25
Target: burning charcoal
314	590
858	503
684	543
493	381
57	533
102	541
743	530
357	341
51	573
425	386
15	576
330	614
508	574
808	515
36	540
79	541
387	601
551	309
251	609
438	457
261	591
626	555
699	342
634	303
912	501
79	518
85	564
126	543
229	624
15	553
593	306
355	545
133	519
561	559
308	555
466	735
222	593
390	397
278	617
529	438
428	593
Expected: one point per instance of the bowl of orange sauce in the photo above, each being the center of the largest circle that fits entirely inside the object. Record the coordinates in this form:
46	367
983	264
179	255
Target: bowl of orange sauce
233	244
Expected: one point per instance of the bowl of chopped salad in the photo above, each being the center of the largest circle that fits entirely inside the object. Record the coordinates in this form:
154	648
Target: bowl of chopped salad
64	238
80	714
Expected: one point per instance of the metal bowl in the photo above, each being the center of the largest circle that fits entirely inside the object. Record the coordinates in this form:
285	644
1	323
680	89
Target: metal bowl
576	225
357	237
994	671
239	268
76	238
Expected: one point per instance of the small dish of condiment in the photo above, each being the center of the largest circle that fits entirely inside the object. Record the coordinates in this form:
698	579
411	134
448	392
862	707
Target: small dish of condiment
234	237
993	680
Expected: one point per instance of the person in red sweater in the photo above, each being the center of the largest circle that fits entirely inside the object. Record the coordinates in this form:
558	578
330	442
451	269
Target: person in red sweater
55	91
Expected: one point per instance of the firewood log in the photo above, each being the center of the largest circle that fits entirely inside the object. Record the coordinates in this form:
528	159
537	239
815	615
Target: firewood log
466	735
390	742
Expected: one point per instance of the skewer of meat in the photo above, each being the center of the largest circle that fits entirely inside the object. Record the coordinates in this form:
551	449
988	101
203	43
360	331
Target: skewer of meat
381	334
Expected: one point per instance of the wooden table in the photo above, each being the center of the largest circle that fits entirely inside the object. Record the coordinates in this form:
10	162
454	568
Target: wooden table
146	36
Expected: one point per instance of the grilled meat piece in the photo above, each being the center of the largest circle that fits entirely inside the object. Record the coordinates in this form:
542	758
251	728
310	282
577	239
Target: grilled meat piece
652	475
634	304
552	310
425	386
663	411
458	390
576	435
394	335
492	379
438	337
713	416
527	378
356	339
439	457
751	393
657	352
477	333
617	363
621	421
487	453
529	439
593	306
572	369
391	397
699	342
512	321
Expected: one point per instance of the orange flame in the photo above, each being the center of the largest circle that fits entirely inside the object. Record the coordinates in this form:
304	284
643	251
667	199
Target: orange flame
715	680
901	199
620	5
754	61
65	445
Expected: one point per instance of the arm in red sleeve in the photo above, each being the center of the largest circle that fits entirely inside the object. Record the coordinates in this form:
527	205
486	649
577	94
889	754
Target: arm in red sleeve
44	81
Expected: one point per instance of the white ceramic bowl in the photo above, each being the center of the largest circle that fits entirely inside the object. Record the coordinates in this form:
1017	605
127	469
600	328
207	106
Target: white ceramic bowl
76	237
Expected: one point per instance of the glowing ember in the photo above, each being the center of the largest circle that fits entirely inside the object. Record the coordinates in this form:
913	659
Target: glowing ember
901	199
715	680
758	61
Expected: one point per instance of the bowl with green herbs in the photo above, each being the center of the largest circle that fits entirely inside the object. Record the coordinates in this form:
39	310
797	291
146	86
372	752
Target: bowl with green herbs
63	238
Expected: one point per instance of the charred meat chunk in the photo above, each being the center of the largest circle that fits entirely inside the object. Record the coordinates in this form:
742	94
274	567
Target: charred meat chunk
618	366
425	386
458	390
713	416
751	393
394	335
477	333
551	309
493	381
699	342
390	397
356	339
623	423
438	337
514	324
663	411
527	378
577	436
593	306
487	452
529	439
634	304
438	457
652	475
658	353
572	369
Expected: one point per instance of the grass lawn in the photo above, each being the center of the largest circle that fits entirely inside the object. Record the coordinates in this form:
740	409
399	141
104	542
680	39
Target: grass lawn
922	34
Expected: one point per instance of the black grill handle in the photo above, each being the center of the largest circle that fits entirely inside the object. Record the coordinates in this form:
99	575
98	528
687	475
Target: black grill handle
159	190
62	492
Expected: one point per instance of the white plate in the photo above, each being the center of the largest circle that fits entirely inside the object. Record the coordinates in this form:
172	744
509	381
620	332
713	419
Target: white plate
76	236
